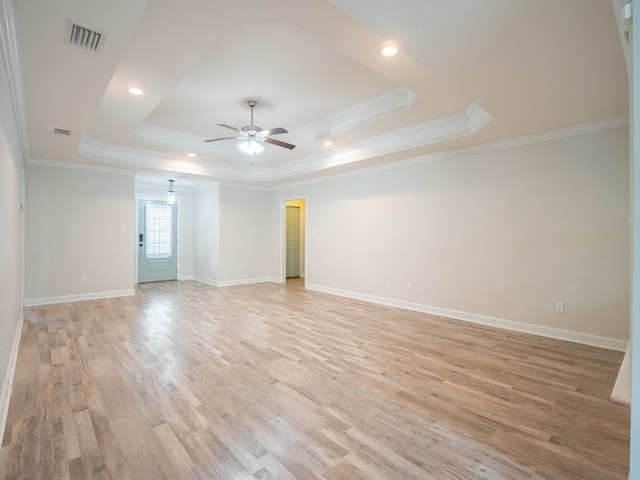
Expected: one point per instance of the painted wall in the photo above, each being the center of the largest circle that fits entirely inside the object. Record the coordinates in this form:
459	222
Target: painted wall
186	231
78	224
11	242
634	461
246	240
206	247
499	234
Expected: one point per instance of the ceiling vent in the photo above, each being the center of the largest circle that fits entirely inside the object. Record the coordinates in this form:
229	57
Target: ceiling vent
83	36
62	131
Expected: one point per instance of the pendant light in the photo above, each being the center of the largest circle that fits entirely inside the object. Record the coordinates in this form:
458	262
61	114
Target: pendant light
171	195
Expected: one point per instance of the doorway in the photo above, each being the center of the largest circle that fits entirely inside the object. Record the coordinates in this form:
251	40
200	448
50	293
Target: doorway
294	239
157	241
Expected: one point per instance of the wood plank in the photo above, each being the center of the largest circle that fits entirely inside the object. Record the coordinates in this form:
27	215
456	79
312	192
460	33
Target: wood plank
270	381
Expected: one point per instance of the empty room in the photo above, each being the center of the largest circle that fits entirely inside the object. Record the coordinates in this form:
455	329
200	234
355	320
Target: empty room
319	240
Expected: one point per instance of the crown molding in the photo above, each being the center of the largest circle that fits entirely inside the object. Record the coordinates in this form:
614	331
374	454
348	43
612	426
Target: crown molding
11	57
43	162
453	126
229	179
107	152
165	137
136	157
446	128
585	128
581	129
477	116
245	186
355	116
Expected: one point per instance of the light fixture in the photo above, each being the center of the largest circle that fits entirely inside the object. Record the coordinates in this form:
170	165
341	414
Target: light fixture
327	143
192	155
135	91
251	147
389	51
171	195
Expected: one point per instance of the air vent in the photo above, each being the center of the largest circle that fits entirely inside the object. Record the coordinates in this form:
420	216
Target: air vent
62	131
83	36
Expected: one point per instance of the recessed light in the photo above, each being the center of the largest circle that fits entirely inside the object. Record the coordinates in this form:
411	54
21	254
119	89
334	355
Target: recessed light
191	155
135	91
327	143
389	51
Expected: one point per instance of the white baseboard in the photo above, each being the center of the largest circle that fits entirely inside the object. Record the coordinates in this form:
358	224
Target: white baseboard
231	283
185	277
206	280
7	379
33	302
622	388
577	337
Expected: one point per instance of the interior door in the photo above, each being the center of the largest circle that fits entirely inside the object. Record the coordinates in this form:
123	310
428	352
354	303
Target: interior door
293	241
157	241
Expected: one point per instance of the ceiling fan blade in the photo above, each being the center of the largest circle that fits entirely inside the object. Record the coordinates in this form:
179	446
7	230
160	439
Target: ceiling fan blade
229	127
272	131
216	139
279	143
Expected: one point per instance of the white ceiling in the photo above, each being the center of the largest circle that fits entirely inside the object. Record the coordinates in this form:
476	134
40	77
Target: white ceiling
469	72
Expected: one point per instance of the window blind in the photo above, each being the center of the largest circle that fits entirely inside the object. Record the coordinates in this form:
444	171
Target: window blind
159	222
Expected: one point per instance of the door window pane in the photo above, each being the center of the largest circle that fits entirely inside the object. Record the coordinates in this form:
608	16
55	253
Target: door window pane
158	224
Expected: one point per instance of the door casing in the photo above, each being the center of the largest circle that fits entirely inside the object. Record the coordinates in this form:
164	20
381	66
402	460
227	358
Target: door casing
293	241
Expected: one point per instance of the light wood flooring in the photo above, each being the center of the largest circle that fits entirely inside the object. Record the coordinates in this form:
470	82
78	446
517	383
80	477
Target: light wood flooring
269	381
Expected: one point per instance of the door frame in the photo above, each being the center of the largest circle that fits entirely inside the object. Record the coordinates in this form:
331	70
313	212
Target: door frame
291	219
156	197
283	237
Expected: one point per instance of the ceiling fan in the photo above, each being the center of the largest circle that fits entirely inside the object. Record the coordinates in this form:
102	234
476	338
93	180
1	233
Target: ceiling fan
253	135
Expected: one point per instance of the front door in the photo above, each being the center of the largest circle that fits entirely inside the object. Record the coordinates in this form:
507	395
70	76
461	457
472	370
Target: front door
157	241
293	241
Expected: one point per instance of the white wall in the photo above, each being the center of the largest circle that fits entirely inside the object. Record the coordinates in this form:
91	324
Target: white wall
246	225
487	236
634	460
11	242
232	235
75	226
206	234
186	231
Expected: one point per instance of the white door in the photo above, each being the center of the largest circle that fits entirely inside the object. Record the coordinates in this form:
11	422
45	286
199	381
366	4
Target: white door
157	241
293	241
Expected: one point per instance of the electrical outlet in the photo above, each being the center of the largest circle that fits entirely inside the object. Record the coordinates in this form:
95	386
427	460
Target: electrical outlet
83	279
410	286
559	307
388	283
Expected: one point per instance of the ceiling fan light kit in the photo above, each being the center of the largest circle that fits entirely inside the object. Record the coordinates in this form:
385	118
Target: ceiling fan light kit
251	147
254	136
